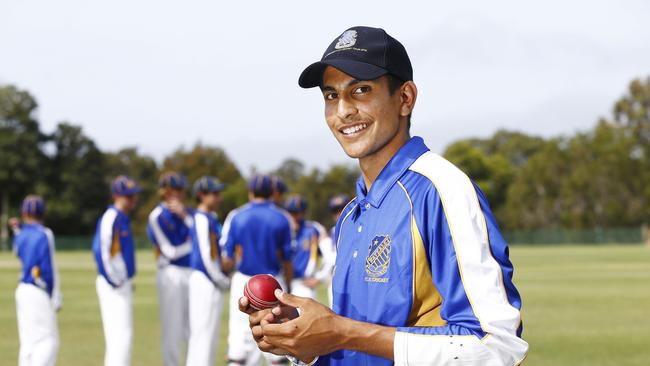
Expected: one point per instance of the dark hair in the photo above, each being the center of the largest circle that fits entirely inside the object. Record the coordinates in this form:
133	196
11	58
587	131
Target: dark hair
394	83
262	193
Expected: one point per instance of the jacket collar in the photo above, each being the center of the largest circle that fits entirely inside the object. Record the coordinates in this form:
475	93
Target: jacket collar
389	175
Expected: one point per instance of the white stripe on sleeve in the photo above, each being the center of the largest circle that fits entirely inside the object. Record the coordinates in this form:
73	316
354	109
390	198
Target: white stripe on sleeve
167	249
202	226
114	267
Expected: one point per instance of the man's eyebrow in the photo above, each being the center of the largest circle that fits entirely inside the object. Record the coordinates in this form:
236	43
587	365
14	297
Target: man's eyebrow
349	84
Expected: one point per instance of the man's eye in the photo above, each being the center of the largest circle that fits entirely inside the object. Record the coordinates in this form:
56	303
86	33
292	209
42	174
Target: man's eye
331	96
361	90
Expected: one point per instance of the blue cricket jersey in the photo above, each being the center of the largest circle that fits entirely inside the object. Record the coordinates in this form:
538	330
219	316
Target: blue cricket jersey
263	234
34	246
113	247
170	235
306	251
206	254
421	252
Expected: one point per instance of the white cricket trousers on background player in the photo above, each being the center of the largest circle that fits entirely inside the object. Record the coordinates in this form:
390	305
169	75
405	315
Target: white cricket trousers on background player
241	345
299	288
172	282
116	306
206	302
37	328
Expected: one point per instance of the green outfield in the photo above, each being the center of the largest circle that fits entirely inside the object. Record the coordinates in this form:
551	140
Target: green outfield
583	305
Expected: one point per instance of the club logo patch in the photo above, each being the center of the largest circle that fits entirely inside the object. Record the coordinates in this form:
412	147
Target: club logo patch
378	259
347	39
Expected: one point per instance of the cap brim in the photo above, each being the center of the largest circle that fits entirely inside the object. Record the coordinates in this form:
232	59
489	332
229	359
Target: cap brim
312	76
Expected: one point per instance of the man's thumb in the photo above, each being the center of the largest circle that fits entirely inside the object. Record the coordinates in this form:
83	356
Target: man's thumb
289	299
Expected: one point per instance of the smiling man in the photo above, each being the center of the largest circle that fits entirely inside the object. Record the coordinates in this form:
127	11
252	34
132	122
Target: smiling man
422	274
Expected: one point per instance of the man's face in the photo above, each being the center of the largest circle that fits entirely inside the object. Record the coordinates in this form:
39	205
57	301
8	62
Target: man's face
363	115
212	200
174	194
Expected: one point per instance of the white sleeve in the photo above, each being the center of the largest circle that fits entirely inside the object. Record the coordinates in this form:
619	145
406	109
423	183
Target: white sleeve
202	227
325	245
167	249
114	266
57	296
225	230
416	349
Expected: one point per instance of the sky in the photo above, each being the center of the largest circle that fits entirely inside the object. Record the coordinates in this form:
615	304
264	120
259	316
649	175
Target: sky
163	74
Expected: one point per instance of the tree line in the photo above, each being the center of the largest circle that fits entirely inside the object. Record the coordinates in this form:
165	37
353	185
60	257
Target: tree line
596	178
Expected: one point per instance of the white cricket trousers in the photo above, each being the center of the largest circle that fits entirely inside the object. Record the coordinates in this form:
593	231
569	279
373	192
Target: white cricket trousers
116	306
299	288
172	282
37	329
205	304
241	345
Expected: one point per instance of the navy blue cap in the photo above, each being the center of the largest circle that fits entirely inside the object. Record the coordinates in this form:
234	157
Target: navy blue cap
278	185
124	186
364	53
172	180
261	185
295	203
207	184
33	205
337	202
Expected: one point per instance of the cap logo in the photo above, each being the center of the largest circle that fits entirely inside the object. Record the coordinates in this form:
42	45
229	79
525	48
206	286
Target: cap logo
347	39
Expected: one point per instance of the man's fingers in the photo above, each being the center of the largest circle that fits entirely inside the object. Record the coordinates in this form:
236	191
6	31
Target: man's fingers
244	306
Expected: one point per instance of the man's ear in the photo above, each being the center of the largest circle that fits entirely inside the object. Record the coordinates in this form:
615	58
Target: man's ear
408	93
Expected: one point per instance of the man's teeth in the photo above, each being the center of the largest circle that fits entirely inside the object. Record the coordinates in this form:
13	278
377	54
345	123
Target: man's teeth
353	129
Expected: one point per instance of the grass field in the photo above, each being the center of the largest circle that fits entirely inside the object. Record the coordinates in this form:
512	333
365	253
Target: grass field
583	305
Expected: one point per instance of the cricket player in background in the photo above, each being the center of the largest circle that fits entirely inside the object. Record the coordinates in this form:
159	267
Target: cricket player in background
313	255
208	282
169	231
114	252
279	189
38	296
261	233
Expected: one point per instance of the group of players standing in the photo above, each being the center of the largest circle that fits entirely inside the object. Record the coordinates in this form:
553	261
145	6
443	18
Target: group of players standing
197	259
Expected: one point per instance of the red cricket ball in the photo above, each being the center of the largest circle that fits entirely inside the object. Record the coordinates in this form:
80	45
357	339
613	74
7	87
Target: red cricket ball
260	291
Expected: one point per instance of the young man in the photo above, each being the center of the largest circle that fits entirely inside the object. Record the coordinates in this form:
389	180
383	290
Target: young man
312	255
114	252
169	231
422	273
260	233
38	295
207	282
279	190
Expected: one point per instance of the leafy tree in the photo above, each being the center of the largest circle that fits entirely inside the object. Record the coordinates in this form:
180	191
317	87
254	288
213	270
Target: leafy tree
20	149
76	188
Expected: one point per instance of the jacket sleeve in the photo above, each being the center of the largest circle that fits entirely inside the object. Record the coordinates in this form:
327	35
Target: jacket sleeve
110	250
167	249
212	267
471	271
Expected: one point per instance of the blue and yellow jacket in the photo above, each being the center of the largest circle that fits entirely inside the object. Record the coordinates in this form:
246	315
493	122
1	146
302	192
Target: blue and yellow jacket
206	254
170	236
113	247
34	246
421	252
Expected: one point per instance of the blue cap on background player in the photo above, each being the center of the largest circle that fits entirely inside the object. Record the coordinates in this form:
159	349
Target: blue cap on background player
260	185
172	180
33	205
207	184
124	186
337	202
295	203
278	185
364	53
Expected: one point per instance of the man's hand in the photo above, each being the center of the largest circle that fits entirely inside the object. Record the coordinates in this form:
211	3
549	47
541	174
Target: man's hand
315	332
258	317
311	282
177	208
